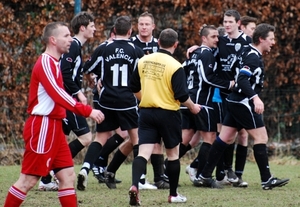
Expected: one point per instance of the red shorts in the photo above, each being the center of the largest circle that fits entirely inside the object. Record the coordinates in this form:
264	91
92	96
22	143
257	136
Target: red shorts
46	147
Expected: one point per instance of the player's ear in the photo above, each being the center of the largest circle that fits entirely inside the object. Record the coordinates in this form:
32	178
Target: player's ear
52	39
176	44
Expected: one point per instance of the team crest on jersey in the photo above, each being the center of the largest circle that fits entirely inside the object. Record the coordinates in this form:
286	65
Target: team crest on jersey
237	46
69	59
155	49
210	65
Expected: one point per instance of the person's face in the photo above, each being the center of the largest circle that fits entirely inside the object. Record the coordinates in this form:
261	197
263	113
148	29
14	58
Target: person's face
145	26
230	24
63	39
268	43
89	30
249	28
212	38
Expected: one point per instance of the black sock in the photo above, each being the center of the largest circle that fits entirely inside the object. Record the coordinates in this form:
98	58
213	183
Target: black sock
102	160
240	159
195	162
111	144
261	158
228	156
216	151
157	161
91	155
202	156
75	147
220	172
135	150
173	169
138	167
183	149
135	154
46	179
116	162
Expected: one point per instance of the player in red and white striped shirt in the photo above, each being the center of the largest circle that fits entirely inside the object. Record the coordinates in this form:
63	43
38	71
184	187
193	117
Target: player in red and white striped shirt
46	147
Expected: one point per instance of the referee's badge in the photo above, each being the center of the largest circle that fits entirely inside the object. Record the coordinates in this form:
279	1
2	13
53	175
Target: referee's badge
155	49
237	46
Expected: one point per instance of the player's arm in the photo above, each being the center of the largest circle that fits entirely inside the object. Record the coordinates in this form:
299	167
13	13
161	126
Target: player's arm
93	64
50	79
135	84
191	50
181	91
206	70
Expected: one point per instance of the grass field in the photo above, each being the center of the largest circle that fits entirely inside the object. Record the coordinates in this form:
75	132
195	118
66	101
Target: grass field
98	195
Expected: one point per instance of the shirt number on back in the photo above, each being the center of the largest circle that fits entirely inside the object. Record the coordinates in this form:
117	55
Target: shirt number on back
119	71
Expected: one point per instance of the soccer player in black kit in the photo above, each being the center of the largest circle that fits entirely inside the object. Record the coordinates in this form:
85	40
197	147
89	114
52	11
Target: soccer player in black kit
245	110
116	100
144	40
229	49
201	79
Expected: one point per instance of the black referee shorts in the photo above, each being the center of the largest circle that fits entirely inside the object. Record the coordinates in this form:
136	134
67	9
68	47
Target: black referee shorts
156	124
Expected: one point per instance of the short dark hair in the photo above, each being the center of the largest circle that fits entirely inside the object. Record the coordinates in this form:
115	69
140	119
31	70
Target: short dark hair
50	29
221	31
245	20
205	30
147	14
81	19
167	38
233	13
122	25
262	31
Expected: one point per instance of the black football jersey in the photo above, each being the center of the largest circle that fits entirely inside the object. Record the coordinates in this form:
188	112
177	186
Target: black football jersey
93	64
229	51
201	77
147	47
71	67
120	59
251	76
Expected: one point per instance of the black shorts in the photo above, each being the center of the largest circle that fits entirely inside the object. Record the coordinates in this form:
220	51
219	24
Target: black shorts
156	124
75	123
242	115
224	105
218	109
114	119
188	119
206	120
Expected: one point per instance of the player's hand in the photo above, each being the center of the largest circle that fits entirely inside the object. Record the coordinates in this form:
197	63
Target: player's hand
232	83
195	108
190	50
258	105
99	85
92	81
97	115
81	97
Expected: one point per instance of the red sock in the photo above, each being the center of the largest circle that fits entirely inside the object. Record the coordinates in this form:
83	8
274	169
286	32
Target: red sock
14	197
67	197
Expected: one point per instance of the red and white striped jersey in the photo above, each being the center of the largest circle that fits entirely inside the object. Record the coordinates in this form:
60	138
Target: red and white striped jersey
47	96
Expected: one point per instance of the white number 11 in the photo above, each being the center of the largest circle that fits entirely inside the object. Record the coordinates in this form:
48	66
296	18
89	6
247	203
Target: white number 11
124	74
